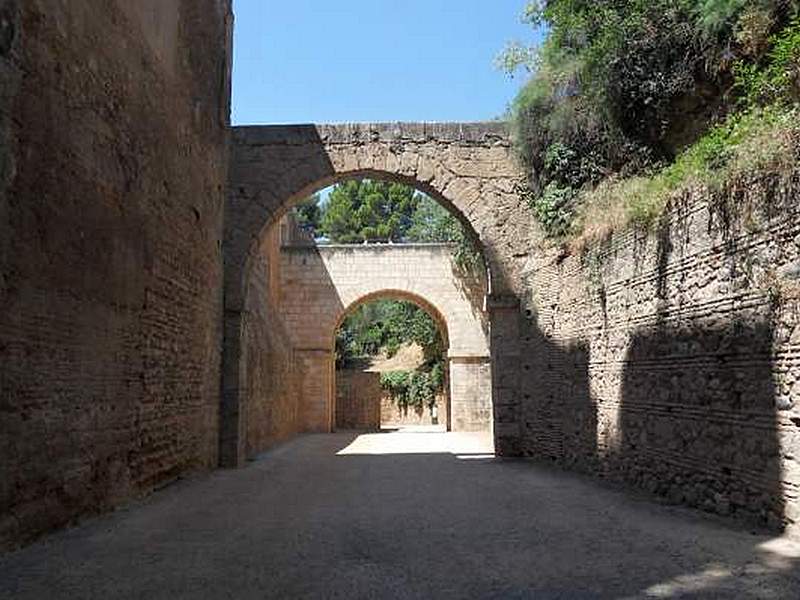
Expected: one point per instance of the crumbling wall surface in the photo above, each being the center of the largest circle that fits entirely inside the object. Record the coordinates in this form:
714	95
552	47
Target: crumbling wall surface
113	154
670	359
273	375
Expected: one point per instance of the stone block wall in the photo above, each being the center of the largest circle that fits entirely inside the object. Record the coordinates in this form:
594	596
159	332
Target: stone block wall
471	384
320	284
113	129
670	359
358	400
317	389
395	416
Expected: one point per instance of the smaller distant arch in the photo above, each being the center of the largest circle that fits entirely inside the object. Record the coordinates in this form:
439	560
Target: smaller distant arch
429	308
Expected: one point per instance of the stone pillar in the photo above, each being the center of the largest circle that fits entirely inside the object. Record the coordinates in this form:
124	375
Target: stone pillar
470	393
317	389
232	427
504	317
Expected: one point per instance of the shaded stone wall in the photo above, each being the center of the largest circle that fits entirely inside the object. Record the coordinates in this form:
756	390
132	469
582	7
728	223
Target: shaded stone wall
358	400
671	359
112	171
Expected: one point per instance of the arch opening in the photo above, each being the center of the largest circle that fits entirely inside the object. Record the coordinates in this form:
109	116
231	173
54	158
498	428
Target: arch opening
391	367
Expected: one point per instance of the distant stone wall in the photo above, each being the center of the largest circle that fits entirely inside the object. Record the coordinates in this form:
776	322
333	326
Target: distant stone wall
112	170
361	403
393	415
671	359
358	400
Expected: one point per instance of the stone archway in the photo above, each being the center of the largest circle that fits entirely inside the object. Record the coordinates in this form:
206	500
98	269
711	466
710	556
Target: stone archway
371	381
323	284
468	168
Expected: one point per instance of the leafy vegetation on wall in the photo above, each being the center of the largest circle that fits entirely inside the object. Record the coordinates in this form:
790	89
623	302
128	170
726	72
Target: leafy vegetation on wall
415	389
634	99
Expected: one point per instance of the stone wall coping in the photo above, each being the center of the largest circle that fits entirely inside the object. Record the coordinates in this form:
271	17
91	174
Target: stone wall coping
369	247
487	132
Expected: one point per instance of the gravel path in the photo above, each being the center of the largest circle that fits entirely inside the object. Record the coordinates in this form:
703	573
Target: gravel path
410	514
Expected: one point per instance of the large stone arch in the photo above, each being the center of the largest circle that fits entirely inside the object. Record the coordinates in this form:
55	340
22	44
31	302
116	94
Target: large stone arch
469	168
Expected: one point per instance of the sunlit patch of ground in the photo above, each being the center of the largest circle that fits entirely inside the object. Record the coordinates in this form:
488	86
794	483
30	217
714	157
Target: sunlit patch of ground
421	440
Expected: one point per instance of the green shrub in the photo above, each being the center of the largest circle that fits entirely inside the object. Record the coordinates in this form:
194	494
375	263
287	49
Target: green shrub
621	89
754	141
553	208
778	80
416	389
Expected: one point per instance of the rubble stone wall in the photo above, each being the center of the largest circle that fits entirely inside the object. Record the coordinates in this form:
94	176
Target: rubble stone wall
670	359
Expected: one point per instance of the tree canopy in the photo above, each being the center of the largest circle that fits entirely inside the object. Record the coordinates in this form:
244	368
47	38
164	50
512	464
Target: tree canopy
366	210
308	213
378	211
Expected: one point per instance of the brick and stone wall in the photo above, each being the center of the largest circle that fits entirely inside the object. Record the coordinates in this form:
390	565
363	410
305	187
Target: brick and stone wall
358	400
113	118
671	359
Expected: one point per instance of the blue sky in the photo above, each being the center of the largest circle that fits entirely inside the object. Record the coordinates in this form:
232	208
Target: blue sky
305	61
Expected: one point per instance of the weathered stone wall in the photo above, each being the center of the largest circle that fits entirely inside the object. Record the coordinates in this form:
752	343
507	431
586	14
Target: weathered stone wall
471	387
394	416
671	359
358	400
113	120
